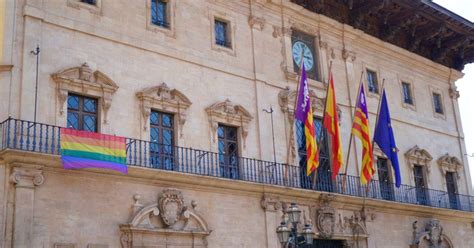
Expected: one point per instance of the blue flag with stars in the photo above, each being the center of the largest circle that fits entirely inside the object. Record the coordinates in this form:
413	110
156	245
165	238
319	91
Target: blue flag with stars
384	138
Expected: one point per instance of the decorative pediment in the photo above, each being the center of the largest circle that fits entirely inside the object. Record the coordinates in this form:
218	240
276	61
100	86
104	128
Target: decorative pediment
166	99
286	100
449	163
167	222
228	113
83	80
418	156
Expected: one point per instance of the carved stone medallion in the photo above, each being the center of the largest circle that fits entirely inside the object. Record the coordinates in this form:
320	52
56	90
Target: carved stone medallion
326	220
171	206
435	231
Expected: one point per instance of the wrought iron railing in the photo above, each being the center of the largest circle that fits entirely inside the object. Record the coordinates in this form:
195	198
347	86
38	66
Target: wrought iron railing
43	138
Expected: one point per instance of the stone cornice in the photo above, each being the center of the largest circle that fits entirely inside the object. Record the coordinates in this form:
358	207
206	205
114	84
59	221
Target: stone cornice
52	163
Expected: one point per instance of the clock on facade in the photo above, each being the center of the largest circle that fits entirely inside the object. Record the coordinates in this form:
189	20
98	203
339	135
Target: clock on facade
301	52
302	48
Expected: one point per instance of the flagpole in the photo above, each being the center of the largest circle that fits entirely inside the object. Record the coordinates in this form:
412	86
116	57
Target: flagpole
292	125
324	114
367	190
344	180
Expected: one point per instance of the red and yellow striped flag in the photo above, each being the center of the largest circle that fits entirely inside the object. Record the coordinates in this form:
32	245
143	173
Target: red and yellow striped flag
360	128
331	123
304	113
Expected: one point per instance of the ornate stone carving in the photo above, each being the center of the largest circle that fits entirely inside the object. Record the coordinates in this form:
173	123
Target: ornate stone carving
277	32
171	205
346	54
167	219
256	22
229	113
82	80
454	92
27	177
163	98
448	163
432	236
286	100
326	217
418	156
270	203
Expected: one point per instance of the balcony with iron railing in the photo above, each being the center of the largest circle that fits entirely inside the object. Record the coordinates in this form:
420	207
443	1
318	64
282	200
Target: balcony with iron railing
43	138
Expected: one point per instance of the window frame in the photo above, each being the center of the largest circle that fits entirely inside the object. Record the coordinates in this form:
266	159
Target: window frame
92	8
160	142
228	18
170	15
410	84
236	142
436	114
81	112
377	90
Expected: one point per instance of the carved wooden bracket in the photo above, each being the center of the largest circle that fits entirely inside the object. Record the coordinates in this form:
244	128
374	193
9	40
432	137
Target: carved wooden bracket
231	114
82	80
449	164
165	99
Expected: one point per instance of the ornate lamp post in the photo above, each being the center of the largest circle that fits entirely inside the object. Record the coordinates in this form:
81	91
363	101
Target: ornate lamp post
289	237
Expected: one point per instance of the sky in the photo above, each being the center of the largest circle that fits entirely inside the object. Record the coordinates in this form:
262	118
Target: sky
465	8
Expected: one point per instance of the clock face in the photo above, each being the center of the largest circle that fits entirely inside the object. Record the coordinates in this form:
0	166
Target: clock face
301	49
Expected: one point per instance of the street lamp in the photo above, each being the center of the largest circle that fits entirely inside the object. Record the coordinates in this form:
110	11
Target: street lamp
289	237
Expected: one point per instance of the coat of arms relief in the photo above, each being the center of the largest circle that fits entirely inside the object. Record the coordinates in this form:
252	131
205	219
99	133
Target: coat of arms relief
167	221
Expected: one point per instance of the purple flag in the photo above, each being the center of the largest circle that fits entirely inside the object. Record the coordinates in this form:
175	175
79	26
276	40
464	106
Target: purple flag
303	103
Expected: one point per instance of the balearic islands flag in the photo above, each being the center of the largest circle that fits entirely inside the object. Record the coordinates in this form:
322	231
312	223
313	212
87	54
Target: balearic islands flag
360	128
331	123
383	136
304	113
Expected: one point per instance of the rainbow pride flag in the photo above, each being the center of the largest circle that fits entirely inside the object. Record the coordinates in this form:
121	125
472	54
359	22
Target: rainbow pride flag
81	149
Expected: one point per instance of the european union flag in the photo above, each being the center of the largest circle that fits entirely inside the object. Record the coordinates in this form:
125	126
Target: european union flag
384	138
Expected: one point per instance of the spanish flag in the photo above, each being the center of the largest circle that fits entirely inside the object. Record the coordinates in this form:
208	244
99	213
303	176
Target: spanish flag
331	123
360	128
304	113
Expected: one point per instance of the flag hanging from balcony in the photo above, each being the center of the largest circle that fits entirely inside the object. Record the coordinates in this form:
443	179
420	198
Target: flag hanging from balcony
383	136
360	129
81	149
331	123
304	113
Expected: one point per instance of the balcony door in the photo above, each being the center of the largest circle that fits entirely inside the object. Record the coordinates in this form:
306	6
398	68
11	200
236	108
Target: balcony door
161	140
385	181
228	151
452	190
323	180
420	185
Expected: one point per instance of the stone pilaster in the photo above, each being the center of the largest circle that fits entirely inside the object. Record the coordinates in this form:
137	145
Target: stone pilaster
25	180
272	207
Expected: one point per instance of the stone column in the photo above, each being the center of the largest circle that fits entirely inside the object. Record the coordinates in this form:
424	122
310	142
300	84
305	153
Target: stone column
25	180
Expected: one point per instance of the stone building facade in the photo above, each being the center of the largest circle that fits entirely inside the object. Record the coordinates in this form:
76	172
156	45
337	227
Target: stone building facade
209	67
